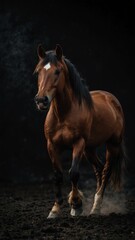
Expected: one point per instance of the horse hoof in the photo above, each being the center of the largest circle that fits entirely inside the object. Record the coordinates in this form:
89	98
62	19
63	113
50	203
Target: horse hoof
95	211
76	212
53	215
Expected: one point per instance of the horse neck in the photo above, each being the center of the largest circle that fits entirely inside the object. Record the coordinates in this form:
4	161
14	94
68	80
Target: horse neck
63	100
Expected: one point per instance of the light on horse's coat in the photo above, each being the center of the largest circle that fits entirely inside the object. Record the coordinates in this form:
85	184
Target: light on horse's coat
47	66
100	120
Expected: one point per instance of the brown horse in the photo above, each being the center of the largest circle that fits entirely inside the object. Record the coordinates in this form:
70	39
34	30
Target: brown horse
79	120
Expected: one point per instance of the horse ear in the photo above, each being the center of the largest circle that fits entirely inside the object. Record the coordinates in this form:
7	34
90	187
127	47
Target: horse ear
59	52
40	51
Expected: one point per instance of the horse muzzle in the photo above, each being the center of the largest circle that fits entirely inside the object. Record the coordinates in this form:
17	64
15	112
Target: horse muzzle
42	103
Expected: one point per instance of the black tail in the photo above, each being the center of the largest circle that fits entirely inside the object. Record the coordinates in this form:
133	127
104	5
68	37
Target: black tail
119	165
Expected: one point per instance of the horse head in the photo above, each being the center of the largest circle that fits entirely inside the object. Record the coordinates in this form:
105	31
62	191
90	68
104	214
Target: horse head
50	76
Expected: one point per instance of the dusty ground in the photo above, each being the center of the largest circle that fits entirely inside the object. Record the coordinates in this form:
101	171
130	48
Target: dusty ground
24	208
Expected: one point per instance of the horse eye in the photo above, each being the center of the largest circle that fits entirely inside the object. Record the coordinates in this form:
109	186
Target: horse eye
57	72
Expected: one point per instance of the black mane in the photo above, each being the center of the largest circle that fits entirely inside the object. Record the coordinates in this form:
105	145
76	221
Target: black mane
77	83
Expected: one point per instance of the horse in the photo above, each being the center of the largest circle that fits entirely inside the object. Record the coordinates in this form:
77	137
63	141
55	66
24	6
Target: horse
81	121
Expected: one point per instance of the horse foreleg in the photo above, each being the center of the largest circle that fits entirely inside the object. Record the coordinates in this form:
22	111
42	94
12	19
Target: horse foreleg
75	196
58	179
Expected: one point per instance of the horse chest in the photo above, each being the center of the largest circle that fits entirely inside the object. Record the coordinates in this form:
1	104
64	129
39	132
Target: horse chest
63	135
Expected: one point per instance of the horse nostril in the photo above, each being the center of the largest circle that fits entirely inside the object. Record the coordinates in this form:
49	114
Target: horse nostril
42	100
46	100
38	100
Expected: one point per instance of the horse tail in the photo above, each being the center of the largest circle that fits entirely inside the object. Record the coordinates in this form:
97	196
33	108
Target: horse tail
119	165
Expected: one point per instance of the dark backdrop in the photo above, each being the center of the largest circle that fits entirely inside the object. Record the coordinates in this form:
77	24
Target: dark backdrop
99	40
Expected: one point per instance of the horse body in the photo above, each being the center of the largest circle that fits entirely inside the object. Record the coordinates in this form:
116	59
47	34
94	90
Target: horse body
81	121
86	124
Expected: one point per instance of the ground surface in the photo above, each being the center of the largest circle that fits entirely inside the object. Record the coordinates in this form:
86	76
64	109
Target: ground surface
24	210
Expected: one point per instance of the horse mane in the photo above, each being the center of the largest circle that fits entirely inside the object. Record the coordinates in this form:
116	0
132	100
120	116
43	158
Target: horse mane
77	83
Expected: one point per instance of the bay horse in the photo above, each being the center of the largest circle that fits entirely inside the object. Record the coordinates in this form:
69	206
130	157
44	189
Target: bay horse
79	120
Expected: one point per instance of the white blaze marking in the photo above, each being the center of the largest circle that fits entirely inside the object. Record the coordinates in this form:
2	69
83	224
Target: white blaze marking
47	66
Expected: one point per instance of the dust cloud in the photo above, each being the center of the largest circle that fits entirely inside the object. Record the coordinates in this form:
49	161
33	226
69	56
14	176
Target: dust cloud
113	202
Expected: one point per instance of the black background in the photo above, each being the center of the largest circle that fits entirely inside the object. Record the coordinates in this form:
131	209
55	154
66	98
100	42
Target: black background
98	38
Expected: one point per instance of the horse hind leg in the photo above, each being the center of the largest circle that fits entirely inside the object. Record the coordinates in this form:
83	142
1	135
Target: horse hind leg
98	168
112	153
